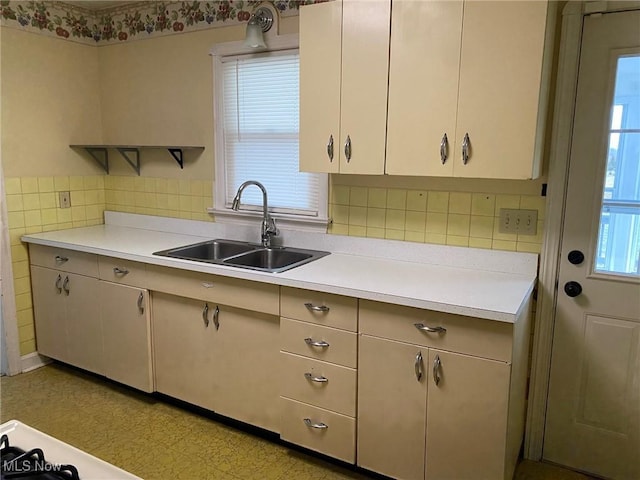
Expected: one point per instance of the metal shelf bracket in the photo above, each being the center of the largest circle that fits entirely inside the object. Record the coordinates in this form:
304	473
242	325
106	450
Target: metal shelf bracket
100	155
176	153
135	163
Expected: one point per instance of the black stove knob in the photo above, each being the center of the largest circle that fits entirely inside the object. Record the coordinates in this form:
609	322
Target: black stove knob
576	257
573	289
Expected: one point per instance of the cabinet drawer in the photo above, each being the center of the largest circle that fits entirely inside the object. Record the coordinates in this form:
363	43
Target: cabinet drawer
121	271
337	440
62	259
297	337
471	336
260	297
337	392
322	308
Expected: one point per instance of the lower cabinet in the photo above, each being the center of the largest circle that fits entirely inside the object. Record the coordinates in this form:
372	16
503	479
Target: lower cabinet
221	358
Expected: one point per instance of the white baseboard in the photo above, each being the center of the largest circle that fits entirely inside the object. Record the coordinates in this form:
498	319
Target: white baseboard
34	360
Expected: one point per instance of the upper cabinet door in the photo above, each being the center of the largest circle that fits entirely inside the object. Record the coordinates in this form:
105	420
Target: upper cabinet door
320	74
423	87
501	105
365	67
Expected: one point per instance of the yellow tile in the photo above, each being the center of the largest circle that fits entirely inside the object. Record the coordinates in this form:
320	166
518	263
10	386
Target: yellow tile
19	253
12	186
436	223
149	200
64	225
31	201
78	198
438	202
528	202
458	225
20	269
417	200
15	234
172	186
138	184
340	194
26	332
16	219
376	218
150	184
162	200
32	218
25	317
101	196
95	221
94	212
100	180
374	232
29	184
395	219
377	198
197	205
503	245
126	183
174	202
48	200
460	202
61	184
185	203
483	204
138	199
23	301
90	182
480	242
184	187
436	238
197	189
51	228
110	196
340	214
15	202
358	196
397	199
414	236
357	216
33	229
45	184
481	227
415	221
76	183
78	213
506	201
161	185
357	231
207	187
64	215
27	347
458	241
128	198
91	197
528	247
79	223
110	182
208	200
49	216
394	234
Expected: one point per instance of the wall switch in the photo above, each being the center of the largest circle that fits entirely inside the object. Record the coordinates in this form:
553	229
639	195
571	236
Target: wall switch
522	222
65	199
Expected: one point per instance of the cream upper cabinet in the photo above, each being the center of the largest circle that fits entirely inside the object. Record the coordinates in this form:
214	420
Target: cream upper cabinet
477	72
344	60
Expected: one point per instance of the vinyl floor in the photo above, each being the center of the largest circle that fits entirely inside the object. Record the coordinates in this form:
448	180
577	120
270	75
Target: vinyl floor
155	439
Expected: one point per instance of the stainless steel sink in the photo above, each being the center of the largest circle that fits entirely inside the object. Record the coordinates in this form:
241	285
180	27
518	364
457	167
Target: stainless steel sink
244	255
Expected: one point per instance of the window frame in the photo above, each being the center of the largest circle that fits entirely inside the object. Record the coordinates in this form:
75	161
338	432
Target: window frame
222	212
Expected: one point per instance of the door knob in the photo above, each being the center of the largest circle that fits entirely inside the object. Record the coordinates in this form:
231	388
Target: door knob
576	257
573	289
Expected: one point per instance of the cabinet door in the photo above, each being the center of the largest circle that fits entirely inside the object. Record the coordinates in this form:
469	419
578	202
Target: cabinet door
183	352
365	74
500	89
466	417
49	312
320	67
245	354
391	407
423	87
126	335
84	330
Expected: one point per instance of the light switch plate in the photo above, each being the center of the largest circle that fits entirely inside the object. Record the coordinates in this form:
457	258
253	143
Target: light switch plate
522	222
65	199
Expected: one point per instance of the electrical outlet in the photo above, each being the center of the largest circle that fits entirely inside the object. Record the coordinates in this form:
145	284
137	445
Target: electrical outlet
522	222
65	199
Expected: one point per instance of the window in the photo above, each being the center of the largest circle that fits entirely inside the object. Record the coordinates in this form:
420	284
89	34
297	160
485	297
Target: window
257	122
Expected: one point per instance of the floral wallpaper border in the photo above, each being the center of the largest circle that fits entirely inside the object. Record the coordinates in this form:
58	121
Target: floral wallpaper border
132	22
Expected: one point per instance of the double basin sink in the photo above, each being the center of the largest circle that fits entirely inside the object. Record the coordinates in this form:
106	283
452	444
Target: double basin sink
244	255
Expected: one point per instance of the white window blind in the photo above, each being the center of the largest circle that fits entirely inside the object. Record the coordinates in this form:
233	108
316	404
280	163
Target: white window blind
260	107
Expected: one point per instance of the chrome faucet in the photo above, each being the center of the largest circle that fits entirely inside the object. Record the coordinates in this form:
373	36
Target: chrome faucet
268	224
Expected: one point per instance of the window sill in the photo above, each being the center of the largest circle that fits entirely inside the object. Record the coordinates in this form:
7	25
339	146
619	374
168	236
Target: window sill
289	222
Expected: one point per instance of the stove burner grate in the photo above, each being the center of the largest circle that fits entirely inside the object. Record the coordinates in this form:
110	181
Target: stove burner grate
15	463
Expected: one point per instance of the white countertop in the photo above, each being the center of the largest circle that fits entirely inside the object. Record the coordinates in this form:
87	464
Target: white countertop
478	283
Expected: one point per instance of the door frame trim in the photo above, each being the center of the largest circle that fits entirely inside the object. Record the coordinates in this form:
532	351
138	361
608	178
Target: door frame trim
565	101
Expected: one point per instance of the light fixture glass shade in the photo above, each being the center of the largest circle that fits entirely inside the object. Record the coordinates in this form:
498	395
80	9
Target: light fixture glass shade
254	37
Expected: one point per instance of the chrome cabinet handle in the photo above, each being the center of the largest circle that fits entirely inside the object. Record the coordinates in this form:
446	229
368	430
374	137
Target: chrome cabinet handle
216	322
315	343
205	313
418	366
316	308
466	143
65	285
436	370
330	148
312	378
319	425
347	148
141	303
120	271
424	328
60	259
444	149
58	284
207	285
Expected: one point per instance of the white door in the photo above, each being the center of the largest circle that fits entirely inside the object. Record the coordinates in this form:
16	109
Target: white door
593	410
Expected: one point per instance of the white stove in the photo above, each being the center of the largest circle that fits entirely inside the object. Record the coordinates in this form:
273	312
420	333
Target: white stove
56	454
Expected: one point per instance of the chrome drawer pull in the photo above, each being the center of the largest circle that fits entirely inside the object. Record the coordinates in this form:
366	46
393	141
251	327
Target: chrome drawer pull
59	284
424	328
60	259
207	285
310	377
310	424
205	312
316	308
140	303
314	343
436	370
65	285
418	366
120	271
216	322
